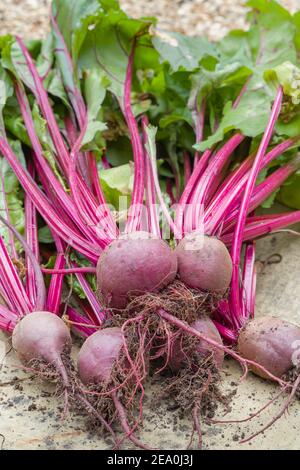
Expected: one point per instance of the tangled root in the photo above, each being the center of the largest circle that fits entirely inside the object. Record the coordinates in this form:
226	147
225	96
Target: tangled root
195	387
69	388
292	376
178	299
150	340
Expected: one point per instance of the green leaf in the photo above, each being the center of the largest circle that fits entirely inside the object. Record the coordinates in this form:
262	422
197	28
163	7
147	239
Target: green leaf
45	58
117	182
180	51
107	47
92	129
11	198
290	128
95	87
6	90
74	18
96	83
288	76
119	152
44	235
250	118
290	192
54	85
268	203
269	42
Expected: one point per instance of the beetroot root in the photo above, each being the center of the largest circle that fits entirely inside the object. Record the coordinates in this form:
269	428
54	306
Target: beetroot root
108	369
206	327
132	265
204	263
41	336
271	342
98	354
42	340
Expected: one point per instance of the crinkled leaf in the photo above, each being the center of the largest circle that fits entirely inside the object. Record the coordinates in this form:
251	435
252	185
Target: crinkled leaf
108	45
288	76
269	43
180	51
74	18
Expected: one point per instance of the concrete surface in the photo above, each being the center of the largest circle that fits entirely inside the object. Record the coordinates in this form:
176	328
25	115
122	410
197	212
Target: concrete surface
30	417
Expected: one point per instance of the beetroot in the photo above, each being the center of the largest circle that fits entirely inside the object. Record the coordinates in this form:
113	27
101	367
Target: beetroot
98	354
134	264
271	342
204	263
41	336
195	365
206	327
105	365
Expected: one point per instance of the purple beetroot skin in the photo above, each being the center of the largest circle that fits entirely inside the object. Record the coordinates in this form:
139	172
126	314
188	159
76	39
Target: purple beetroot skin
204	263
134	264
272	343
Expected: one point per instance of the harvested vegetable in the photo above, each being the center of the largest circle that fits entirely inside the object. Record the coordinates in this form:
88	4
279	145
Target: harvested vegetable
196	137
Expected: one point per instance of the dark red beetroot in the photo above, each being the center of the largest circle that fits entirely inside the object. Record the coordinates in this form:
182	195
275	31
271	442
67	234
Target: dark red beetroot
98	354
134	264
271	342
42	337
103	364
204	263
206	327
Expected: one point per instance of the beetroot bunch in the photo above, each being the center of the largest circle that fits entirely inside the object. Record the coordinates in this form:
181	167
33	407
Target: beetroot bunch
165	287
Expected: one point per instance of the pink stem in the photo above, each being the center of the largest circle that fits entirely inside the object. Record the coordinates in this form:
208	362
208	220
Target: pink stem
199	120
265	189
72	137
84	202
81	323
14	288
257	227
31	229
43	101
226	333
182	205
137	147
200	194
53	301
81	270
163	205
45	172
249	282
151	202
100	314
187	167
45	208
234	185
235	300
8	319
